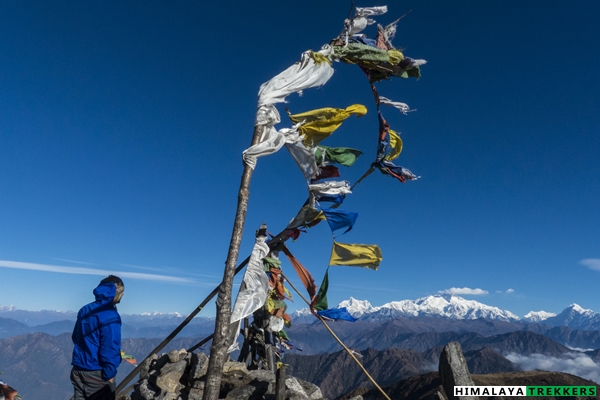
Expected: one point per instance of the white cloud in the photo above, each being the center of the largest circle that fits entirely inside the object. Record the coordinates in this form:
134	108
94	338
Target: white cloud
510	290
464	290
92	271
572	363
74	262
591	263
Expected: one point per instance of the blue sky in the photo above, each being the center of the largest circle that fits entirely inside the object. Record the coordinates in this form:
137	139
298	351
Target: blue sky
122	126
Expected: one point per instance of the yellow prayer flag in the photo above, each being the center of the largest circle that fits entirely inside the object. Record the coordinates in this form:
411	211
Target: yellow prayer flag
395	144
356	255
322	122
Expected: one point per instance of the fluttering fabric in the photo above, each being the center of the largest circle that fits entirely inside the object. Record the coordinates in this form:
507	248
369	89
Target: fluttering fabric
336	199
403	107
312	70
321	123
327	171
356	255
305	216
305	158
337	314
320	301
339	219
395	171
305	276
275	323
395	145
360	21
254	289
271	141
389	148
340	155
329	188
390	144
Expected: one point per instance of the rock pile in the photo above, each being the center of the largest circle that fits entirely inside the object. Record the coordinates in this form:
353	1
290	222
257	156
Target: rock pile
180	375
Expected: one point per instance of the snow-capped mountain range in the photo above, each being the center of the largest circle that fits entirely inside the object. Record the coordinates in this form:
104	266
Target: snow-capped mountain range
456	307
538	316
439	306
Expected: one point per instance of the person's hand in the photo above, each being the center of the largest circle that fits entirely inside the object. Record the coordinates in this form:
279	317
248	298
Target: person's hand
8	392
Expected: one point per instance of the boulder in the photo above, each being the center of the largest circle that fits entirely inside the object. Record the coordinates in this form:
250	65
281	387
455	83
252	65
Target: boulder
453	371
199	366
170	374
294	390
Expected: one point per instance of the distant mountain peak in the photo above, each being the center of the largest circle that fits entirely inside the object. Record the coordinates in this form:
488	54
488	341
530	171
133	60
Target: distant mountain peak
161	314
577	308
576	317
437	305
538	316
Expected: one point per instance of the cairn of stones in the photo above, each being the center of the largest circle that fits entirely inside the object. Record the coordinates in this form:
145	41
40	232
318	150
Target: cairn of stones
180	375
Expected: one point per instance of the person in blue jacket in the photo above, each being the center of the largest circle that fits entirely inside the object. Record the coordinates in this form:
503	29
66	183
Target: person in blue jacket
97	343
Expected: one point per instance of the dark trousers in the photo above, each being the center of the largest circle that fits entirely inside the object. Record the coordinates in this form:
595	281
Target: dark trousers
89	385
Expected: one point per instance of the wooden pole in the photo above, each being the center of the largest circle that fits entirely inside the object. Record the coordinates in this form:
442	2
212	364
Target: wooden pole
218	349
339	341
280	383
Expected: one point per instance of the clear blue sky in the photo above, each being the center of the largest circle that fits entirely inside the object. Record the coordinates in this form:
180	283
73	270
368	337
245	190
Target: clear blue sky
122	126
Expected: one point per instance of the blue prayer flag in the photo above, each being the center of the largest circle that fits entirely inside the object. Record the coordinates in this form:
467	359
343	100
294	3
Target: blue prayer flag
337	314
339	219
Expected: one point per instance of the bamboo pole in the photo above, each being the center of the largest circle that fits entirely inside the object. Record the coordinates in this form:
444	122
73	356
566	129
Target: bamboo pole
339	341
218	349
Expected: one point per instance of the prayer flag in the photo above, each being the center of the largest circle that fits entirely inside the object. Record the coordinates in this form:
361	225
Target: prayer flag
395	144
341	155
328	171
305	276
321	123
337	314
320	302
338	219
337	199
356	255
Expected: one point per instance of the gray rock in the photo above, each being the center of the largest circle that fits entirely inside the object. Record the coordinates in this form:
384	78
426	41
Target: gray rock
236	368
167	396
295	390
146	391
453	371
199	385
359	397
439	395
312	391
199	366
262	375
170	374
145	370
245	392
174	356
195	394
159	363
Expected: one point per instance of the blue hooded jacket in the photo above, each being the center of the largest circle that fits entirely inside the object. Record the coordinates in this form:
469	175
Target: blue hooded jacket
97	334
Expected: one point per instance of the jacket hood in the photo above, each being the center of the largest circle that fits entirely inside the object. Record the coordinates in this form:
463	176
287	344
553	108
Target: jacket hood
105	292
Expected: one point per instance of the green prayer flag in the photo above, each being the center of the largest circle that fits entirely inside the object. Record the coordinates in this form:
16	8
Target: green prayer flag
341	155
269	262
321	303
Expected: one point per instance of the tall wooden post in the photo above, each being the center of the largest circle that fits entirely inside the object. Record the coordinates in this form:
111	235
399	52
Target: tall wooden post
218	350
280	383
